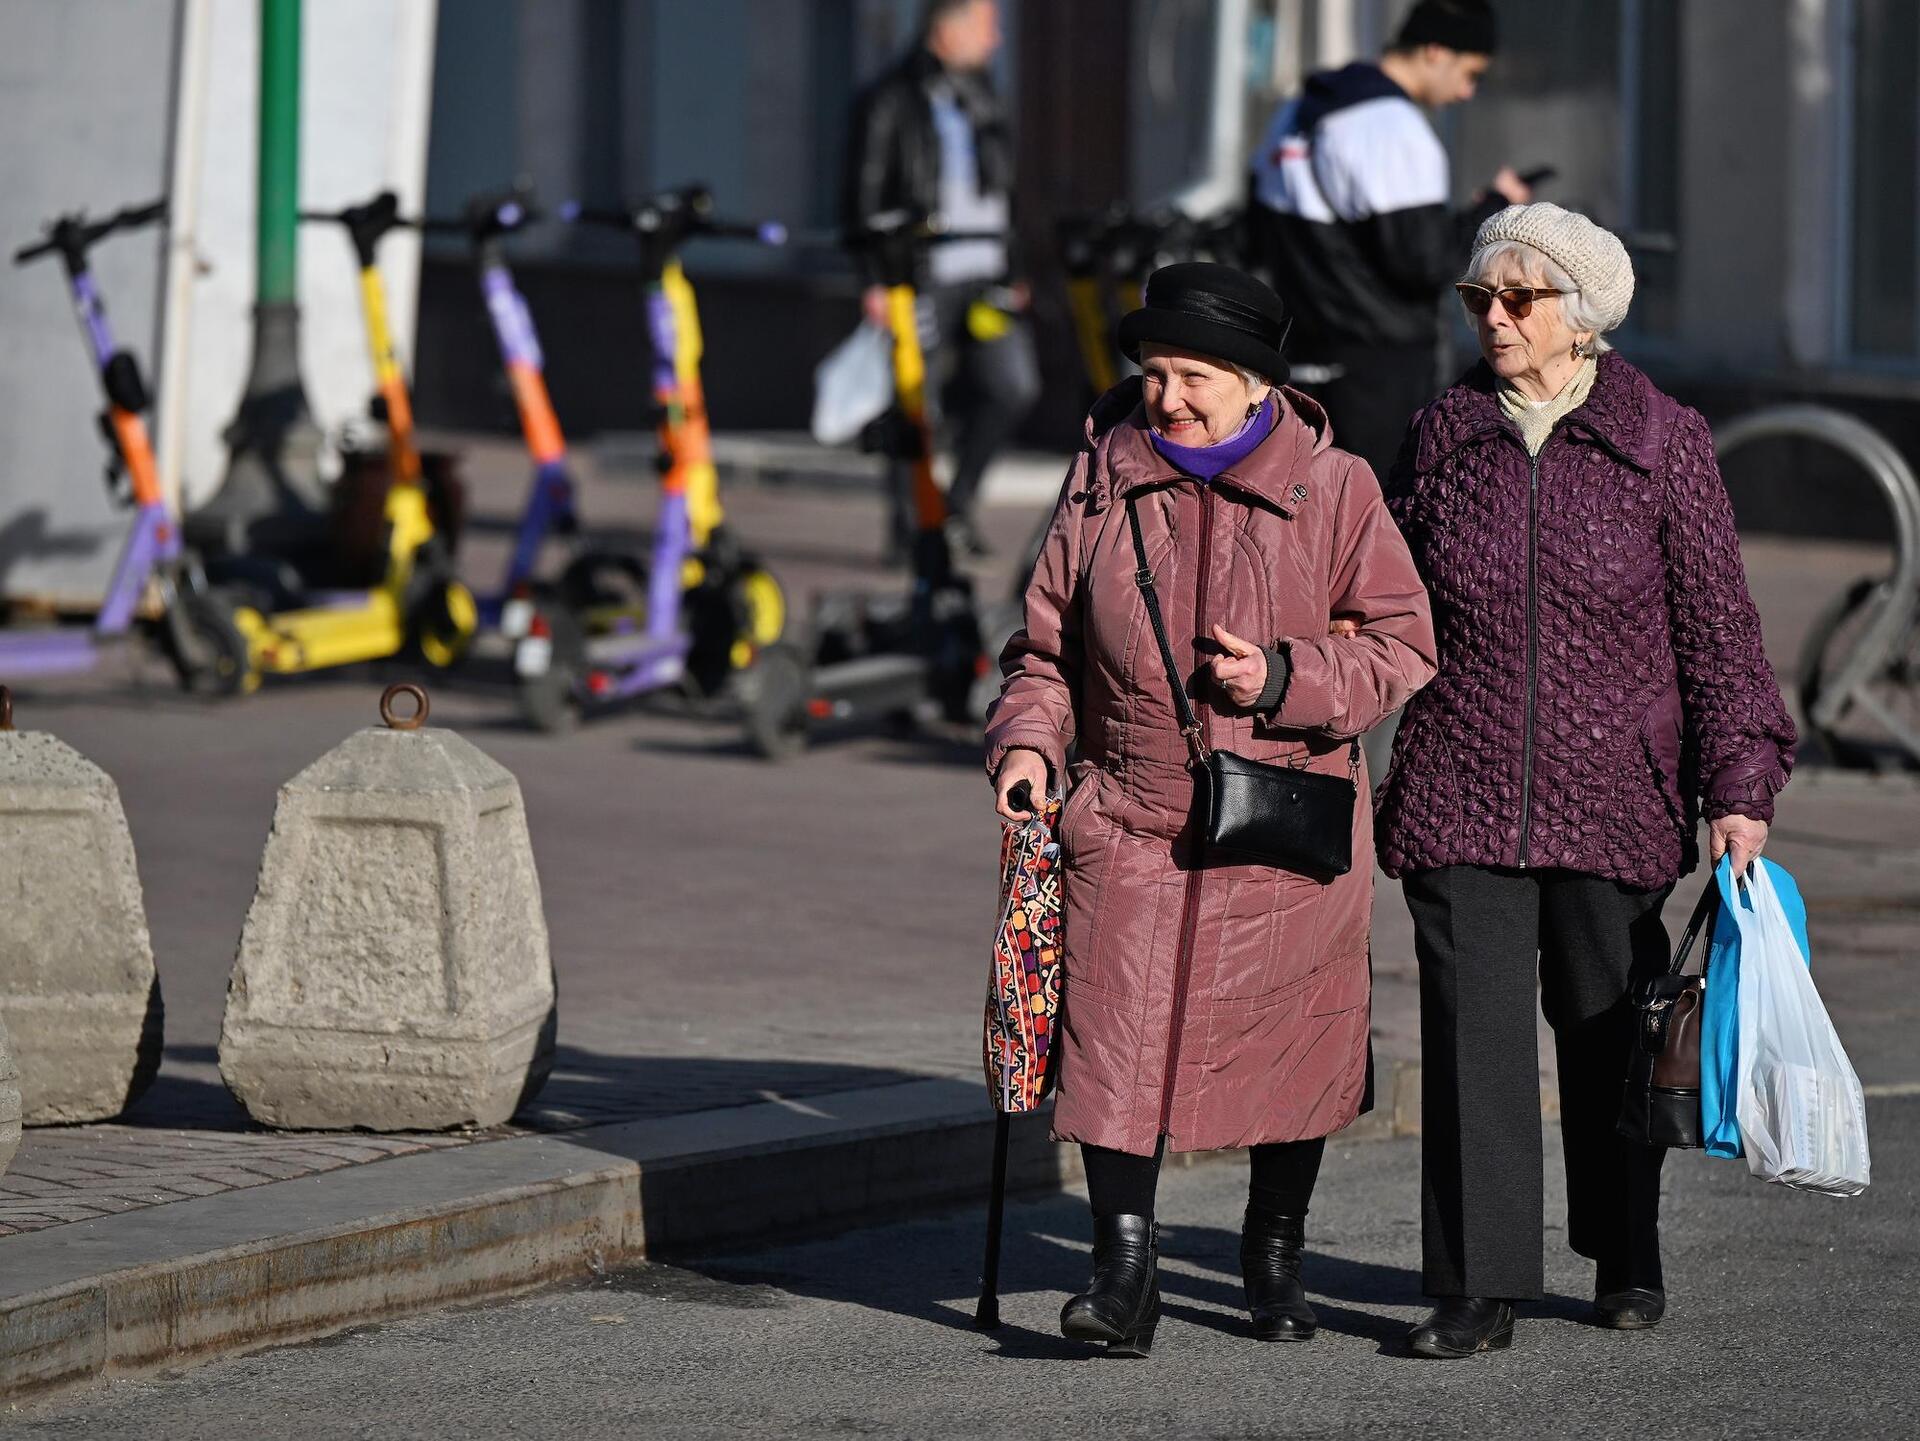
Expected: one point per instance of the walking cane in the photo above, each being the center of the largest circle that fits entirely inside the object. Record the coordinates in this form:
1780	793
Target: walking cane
986	1315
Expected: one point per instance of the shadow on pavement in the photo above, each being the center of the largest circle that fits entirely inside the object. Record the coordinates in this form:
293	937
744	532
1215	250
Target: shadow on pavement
1044	1252
585	1088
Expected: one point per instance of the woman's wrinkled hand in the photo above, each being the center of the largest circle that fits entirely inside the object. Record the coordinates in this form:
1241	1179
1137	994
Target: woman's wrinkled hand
1242	671
1018	766
1742	835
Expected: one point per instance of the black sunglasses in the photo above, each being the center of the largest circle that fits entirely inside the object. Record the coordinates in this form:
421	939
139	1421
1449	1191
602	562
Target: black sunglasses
1516	300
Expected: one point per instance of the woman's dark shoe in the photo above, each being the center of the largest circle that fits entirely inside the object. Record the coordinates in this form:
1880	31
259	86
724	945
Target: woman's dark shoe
1631	1308
1122	1304
1463	1326
1270	1247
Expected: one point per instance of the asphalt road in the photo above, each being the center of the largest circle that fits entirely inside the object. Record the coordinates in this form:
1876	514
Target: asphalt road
1791	1315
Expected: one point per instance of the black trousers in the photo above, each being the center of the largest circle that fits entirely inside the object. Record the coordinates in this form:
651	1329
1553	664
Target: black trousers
1371	402
1482	937
979	392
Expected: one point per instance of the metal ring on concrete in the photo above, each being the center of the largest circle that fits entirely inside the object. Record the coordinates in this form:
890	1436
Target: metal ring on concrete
1876	455
6	709
399	722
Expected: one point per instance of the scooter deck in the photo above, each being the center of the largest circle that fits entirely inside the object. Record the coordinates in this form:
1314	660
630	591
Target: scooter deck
870	683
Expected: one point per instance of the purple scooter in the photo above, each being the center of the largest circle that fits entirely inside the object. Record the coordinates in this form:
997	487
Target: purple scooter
487	222
207	649
708	604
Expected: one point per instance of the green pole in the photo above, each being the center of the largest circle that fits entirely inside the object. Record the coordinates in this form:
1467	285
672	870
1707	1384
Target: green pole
279	149
273	467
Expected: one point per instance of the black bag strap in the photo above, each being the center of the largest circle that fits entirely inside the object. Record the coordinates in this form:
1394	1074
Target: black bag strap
1182	707
1705	911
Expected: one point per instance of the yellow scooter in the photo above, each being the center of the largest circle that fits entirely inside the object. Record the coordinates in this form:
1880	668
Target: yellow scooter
418	604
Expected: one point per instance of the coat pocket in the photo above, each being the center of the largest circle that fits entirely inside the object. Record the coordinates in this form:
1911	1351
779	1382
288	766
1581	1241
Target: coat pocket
1662	733
1068	827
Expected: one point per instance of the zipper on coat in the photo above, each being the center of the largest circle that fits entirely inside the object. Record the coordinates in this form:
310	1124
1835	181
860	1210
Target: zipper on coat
1190	906
1533	653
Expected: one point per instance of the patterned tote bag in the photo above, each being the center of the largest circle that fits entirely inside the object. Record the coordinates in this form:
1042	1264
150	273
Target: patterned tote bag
1023	991
1023	1006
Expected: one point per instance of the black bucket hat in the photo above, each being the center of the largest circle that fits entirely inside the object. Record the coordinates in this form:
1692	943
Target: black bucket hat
1211	310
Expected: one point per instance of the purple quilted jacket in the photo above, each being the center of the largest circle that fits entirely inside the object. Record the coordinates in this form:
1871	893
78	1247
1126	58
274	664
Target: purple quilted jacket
1602	682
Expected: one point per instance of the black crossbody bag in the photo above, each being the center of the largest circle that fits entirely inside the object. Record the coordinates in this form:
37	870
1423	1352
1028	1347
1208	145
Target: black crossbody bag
1285	816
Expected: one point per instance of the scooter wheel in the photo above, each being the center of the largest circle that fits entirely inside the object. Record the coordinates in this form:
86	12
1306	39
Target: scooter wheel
444	624
550	663
774	700
207	647
764	605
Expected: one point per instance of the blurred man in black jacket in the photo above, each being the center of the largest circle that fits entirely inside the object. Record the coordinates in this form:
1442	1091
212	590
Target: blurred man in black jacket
929	137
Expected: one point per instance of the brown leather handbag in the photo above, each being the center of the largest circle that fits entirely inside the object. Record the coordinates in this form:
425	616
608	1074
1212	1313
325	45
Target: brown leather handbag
1661	1106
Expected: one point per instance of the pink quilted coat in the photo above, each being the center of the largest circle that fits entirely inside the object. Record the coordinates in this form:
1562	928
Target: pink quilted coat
1218	1004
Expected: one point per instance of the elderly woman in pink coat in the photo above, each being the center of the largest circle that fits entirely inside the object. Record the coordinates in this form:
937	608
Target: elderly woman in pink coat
1210	1002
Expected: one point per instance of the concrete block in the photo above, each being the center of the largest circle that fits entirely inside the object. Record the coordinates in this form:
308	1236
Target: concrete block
78	989
9	1102
393	973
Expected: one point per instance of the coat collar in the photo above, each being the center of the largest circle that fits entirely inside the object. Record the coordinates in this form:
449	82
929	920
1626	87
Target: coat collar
1619	413
1277	472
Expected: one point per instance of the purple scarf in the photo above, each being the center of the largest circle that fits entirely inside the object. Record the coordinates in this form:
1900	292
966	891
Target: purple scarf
1204	462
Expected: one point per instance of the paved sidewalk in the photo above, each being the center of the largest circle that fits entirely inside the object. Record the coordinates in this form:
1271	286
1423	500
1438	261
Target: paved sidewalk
731	935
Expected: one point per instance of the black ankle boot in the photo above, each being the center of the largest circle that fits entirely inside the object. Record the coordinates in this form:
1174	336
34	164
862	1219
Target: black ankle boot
1270	1247
1122	1305
1463	1326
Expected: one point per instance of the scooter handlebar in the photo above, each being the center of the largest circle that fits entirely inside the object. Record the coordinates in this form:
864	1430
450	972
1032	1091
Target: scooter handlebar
922	229
75	234
485	216
761	232
646	219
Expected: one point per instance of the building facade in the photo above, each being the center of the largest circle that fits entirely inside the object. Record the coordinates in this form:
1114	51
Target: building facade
1761	157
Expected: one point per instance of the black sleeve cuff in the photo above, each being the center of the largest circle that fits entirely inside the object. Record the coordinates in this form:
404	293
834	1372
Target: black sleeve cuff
1279	672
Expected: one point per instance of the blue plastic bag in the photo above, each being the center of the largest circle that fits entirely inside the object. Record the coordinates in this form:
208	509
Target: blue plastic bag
1720	1018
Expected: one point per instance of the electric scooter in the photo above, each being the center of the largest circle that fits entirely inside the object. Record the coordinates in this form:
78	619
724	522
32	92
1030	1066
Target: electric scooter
549	510
360	519
707	605
1079	241
873	656
198	630
417	604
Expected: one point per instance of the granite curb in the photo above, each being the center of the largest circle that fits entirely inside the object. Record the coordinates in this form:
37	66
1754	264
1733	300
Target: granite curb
186	1282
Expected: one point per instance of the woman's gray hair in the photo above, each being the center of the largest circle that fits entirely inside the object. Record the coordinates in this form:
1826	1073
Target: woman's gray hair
1252	379
1536	265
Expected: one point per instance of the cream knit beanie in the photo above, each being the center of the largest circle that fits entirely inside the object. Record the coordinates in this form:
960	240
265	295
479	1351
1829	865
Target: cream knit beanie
1594	257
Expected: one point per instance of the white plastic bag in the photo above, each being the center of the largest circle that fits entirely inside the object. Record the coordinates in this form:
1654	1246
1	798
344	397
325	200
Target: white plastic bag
853	386
1802	1114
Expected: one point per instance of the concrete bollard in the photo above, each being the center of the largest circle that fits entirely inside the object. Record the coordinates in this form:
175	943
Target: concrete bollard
393	973
78	989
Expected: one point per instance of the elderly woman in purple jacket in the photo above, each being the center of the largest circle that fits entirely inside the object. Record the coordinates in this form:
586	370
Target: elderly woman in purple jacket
1602	687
